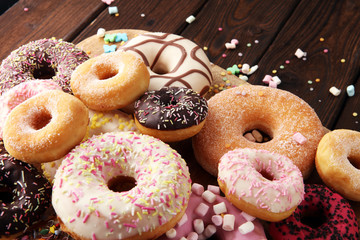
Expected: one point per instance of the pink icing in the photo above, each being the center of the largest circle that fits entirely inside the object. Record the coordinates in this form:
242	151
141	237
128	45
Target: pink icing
213	221
18	94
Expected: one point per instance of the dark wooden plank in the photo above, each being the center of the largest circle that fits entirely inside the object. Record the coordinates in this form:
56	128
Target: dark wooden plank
336	22
45	18
159	15
244	20
349	117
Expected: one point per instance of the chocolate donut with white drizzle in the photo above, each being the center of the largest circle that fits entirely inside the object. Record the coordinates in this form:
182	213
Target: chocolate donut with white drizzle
172	60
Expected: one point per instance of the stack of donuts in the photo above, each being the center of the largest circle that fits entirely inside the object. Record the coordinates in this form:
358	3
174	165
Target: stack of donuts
89	140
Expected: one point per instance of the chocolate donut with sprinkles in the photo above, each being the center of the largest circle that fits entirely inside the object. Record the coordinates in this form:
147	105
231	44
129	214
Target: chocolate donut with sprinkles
171	113
323	214
41	59
25	196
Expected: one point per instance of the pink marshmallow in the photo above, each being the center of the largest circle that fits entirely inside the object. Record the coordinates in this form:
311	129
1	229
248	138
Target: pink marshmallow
202	209
198	189
299	138
217	220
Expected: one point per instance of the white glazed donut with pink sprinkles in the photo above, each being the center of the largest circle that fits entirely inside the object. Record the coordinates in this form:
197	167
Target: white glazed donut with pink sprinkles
18	94
266	185
82	195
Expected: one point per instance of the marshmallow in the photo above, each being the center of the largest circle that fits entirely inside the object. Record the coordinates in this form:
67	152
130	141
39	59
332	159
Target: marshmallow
246	227
217	220
171	233
209	230
202	209
220	208
228	222
209	196
190	19
101	32
334	91
299	138
198	189
198	226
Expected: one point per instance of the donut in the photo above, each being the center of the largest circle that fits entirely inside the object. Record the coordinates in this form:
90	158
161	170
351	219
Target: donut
25	196
337	162
45	127
128	185
211	216
18	94
53	59
293	126
100	122
171	113
322	214
110	81
190	68
266	185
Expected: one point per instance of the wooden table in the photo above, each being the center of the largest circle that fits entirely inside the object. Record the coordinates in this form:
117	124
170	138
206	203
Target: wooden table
269	33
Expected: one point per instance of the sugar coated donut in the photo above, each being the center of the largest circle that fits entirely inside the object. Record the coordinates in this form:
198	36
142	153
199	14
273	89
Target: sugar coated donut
45	127
338	160
266	185
171	113
322	215
82	197
190	68
293	126
100	122
210	215
18	94
25	196
42	59
110	81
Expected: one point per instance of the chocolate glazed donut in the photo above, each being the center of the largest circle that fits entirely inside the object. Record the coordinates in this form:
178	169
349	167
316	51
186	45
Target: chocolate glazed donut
171	113
25	195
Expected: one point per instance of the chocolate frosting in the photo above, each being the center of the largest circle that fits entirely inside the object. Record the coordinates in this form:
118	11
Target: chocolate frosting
25	195
171	108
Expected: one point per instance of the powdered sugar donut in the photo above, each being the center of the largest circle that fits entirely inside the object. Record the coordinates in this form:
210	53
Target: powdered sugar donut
110	81
52	59
210	215
18	94
337	156
82	198
293	126
190	68
266	185
45	127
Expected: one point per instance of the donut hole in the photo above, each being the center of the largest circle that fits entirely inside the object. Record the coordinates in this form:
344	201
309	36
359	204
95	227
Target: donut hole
121	184
6	195
354	161
105	71
40	119
258	135
160	68
44	71
313	218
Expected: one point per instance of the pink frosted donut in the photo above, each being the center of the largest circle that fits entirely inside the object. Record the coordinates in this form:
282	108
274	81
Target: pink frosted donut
190	68
18	94
266	185
208	214
91	202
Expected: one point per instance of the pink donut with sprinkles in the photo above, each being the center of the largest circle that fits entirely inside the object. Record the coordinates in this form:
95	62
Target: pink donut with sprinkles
18	94
92	202
264	184
210	215
41	59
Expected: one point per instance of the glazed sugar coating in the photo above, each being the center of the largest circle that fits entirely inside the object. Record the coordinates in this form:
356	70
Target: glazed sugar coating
337	156
333	215
276	112
18	94
30	195
41	59
270	182
190	69
82	199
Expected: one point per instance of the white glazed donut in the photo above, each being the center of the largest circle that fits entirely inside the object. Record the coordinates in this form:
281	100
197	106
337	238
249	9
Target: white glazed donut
82	197
265	185
172	60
